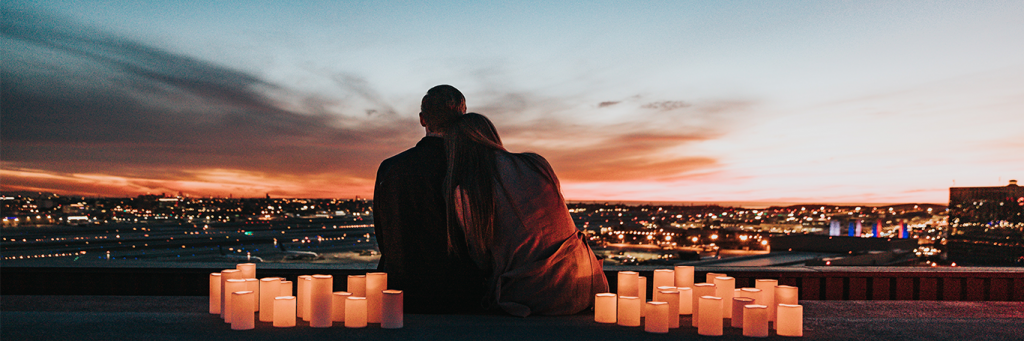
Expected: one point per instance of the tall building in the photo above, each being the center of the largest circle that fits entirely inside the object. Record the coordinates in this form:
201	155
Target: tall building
986	225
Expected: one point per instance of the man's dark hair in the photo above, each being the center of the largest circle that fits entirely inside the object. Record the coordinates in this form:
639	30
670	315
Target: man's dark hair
440	106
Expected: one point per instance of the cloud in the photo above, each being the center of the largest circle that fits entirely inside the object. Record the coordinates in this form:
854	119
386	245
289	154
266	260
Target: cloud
607	104
666	105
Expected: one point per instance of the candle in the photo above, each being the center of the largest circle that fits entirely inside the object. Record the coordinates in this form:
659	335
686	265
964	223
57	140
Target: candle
642	287
225	275
685	300
790	320
627	285
320	301
605	307
753	293
215	293
672	298
664	278
700	289
338	305
392	312
657	318
784	294
710	321
737	310
242	310
302	301
710	277
656	295
284	311
629	311
286	288
270	287
755	320
684	276
252	284
725	286
248	269
232	285
376	283
357	285
767	287
355	312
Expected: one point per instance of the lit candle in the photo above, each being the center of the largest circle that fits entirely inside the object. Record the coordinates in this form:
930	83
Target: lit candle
320	301
286	288
242	310
710	320
725	286
225	275
657	318
755	320
767	287
790	320
685	300
302	301
629	311
672	298
753	293
700	289
270	287
392	312
784	294
656	295
737	310
627	285
252	284
232	285
338	305
664	278
642	287
248	269
376	283
356	285
355	312
710	277
215	293
284	311
605	308
684	276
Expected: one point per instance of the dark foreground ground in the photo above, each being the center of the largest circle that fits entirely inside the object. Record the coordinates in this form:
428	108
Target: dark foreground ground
151	318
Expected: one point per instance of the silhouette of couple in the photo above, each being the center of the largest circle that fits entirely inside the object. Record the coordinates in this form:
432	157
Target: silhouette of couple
465	226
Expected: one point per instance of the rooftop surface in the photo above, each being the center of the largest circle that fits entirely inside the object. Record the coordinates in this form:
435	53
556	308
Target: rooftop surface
153	318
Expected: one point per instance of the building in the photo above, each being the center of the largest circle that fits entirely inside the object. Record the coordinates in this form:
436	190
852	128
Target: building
986	225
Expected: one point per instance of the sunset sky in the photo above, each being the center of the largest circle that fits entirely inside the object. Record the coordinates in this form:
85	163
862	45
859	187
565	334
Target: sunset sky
781	101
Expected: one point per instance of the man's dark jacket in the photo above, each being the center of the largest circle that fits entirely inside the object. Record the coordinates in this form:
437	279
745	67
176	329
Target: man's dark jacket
410	224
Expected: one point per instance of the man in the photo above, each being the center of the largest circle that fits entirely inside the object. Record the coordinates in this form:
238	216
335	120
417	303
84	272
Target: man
410	220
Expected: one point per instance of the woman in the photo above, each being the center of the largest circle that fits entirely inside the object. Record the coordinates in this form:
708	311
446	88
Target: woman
517	228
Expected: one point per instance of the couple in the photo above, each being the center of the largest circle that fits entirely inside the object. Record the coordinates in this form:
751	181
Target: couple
462	224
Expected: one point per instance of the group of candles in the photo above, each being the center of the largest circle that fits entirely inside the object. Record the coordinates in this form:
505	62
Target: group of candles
709	303
237	296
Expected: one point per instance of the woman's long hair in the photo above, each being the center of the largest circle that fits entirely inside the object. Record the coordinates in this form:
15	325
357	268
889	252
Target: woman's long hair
471	143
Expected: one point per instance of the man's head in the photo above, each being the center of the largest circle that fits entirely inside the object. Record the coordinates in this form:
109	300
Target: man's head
440	106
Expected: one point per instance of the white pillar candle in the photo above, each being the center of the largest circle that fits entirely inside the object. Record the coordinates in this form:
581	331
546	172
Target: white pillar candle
752	293
270	287
710	277
355	312
225	275
303	285
605	308
242	310
737	310
710	320
725	286
629	311
755	320
684	276
790	320
664	278
215	293
357	285
320	301
232	285
700	289
338	305
784	294
642	287
286	288
284	311
672	298
685	300
376	283
627	285
657	318
252	284
248	269
767	287
392	313
656	296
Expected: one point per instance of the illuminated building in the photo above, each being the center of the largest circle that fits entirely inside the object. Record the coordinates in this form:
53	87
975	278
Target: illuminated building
987	225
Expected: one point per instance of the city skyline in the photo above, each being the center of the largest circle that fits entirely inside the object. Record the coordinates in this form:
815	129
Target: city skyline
866	102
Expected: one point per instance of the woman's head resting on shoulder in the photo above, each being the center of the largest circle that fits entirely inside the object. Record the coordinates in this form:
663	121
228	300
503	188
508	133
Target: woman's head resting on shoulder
475	128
